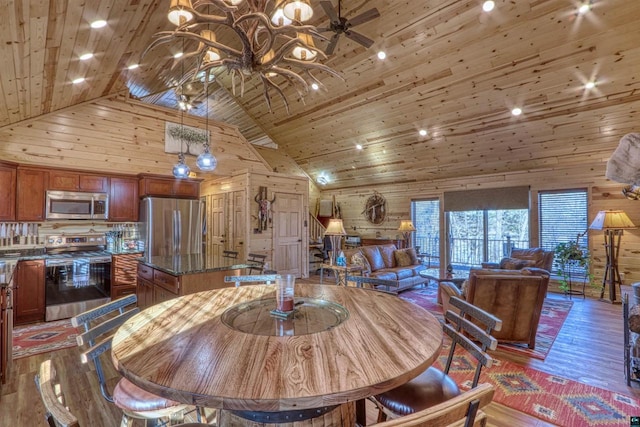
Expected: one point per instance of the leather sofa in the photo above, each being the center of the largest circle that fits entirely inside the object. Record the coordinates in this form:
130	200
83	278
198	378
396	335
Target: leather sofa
521	258
514	296
383	263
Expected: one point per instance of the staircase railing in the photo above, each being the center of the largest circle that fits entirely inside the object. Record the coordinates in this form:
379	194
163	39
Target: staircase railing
316	229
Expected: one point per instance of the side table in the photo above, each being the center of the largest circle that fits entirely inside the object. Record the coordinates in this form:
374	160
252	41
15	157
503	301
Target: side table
340	271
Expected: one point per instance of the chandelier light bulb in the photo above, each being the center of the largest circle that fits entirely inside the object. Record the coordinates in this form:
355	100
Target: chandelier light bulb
299	10
278	19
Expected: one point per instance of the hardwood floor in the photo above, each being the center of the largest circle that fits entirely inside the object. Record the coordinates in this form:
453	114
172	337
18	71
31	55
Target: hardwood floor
589	349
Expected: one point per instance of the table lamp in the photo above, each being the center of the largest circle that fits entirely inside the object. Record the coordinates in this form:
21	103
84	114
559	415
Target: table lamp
406	227
335	231
613	223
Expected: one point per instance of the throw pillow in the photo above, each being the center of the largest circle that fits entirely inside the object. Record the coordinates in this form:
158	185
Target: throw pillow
515	263
405	257
360	260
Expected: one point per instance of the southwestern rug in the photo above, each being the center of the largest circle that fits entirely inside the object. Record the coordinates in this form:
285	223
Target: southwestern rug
554	313
43	337
552	398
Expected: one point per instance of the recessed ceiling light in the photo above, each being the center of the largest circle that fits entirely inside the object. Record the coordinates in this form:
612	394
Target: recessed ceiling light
315	86
99	23
584	8
133	66
178	55
322	180
590	85
382	55
86	56
359	147
488	5
516	111
422	132
78	80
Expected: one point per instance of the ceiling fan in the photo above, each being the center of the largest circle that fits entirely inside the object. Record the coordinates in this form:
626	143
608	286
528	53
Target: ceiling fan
340	25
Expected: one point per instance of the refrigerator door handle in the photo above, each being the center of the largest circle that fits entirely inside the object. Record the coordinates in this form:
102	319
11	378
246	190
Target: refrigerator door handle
177	228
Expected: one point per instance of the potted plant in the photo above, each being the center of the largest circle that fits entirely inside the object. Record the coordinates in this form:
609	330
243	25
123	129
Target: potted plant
573	262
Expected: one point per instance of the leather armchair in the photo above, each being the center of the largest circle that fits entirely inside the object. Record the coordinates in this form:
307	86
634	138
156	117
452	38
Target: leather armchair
521	258
514	296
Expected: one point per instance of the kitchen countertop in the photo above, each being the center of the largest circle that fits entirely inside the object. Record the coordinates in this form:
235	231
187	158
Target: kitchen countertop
193	264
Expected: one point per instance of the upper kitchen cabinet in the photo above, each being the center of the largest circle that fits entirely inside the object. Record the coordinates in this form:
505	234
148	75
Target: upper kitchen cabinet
7	192
30	194
123	199
75	181
163	186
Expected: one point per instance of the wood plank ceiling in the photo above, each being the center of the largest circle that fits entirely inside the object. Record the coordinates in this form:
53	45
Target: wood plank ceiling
451	69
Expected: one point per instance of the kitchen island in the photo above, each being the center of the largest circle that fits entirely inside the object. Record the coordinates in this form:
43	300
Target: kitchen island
161	278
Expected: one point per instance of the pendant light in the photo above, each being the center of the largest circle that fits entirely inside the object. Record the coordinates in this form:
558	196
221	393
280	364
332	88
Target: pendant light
181	169
206	161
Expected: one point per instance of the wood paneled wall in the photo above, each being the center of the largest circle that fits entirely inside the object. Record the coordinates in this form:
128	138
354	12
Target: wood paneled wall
603	194
118	135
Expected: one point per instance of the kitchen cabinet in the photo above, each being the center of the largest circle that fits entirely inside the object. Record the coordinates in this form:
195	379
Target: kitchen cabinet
123	199
30	194
8	192
162	186
123	274
66	180
29	292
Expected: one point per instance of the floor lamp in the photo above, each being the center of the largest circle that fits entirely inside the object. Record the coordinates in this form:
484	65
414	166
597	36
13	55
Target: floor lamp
613	223
406	227
335	231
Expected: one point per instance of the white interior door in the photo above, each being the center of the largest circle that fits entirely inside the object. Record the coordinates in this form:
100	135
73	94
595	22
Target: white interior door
287	231
216	223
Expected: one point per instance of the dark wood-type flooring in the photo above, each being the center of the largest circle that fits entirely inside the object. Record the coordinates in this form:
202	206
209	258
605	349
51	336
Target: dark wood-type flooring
589	349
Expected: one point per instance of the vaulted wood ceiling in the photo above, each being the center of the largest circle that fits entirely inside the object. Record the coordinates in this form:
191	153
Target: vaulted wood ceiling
451	69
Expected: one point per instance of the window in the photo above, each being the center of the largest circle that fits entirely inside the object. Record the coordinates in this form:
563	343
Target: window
563	216
426	218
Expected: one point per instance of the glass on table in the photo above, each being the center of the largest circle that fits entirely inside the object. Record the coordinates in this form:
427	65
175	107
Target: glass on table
284	292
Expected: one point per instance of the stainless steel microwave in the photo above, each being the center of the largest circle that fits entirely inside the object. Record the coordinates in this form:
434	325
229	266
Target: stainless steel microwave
76	205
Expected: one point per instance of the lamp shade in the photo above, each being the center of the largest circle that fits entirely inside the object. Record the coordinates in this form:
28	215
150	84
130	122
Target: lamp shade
335	228
180	12
406	225
611	220
299	10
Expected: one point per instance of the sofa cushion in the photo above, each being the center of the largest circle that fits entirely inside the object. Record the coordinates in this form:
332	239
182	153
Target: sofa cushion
358	259
403	272
373	255
405	257
515	263
384	274
387	252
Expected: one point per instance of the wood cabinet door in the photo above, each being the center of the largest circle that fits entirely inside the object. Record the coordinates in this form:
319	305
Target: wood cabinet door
30	194
7	193
169	187
94	183
64	180
29	292
144	291
123	199
161	295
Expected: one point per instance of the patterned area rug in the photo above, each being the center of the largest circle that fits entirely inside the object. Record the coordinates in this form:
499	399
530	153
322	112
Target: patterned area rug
43	337
549	397
554	313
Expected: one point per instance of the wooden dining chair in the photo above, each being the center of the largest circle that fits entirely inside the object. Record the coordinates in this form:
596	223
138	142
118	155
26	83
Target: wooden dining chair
98	326
462	410
388	286
256	262
252	279
435	386
53	398
230	254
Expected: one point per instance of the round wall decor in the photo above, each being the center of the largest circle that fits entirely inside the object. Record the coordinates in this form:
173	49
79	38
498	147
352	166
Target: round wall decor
375	209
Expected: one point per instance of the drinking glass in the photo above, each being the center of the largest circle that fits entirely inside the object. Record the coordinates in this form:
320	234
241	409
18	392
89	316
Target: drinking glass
284	292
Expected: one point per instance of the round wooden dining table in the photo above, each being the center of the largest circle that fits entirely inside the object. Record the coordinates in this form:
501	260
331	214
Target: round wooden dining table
226	349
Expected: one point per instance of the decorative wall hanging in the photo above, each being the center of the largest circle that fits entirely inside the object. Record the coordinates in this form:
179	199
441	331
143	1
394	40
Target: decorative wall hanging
264	208
375	209
193	139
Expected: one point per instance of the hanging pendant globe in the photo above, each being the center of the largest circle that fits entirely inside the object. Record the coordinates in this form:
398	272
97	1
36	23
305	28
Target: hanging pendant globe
206	161
181	169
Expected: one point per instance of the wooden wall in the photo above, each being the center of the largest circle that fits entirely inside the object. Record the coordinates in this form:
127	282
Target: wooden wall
603	194
118	135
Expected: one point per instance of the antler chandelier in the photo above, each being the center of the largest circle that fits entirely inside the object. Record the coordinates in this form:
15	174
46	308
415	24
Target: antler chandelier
270	41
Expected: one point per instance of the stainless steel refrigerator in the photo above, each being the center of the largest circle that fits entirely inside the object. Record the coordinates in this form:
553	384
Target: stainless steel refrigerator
171	227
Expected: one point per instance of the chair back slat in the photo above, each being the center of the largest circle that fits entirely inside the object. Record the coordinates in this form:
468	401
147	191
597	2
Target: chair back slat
254	279
52	397
230	254
464	407
491	322
478	334
109	326
256	262
103	310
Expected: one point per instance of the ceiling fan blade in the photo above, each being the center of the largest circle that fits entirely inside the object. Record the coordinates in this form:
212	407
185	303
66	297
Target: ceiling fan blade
364	17
332	45
324	29
357	37
330	11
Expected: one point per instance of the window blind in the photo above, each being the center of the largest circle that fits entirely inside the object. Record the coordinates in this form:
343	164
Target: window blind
562	217
487	199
